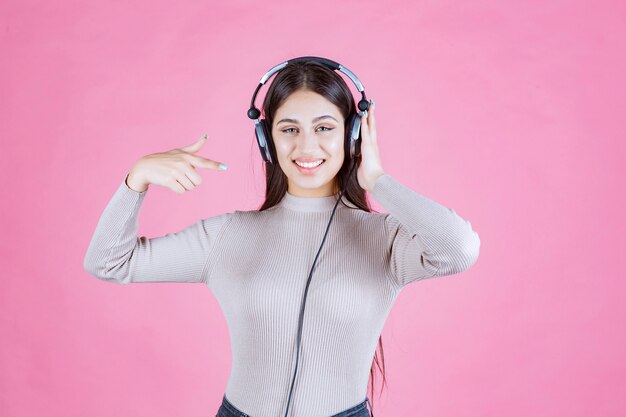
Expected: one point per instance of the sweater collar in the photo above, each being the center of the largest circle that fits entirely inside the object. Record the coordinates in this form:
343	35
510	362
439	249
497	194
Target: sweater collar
309	204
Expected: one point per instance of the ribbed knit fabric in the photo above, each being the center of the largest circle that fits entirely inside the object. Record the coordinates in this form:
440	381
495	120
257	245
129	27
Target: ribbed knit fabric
256	263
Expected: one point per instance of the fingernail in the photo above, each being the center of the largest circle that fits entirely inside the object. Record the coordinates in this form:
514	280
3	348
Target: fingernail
372	101
222	166
205	136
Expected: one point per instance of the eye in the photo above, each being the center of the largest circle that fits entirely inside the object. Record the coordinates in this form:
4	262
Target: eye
290	129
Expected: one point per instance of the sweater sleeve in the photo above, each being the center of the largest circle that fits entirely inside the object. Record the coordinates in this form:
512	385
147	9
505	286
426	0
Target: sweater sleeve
116	254
425	238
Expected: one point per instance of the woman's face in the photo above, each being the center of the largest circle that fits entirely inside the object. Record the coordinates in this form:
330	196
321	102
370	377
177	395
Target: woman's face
309	128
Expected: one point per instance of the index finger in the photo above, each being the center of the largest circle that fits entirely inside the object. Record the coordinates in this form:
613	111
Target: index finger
371	119
200	162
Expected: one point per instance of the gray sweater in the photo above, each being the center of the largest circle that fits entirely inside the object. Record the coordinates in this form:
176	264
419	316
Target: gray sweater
256	263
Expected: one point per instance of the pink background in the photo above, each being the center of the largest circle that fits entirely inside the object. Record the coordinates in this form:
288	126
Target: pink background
510	112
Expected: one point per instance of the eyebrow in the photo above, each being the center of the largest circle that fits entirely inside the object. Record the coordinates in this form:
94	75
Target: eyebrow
326	116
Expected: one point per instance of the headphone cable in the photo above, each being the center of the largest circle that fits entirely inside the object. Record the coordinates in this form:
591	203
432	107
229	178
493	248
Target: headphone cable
306	289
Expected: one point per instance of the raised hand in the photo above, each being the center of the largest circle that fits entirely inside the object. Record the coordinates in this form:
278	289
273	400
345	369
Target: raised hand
370	167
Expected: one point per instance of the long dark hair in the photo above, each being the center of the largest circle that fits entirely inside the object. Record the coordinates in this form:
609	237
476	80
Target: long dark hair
316	77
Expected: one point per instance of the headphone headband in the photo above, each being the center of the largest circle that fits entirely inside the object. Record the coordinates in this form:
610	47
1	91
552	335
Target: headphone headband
254	113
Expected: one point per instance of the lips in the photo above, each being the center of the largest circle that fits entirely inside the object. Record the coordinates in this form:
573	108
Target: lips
295	161
312	170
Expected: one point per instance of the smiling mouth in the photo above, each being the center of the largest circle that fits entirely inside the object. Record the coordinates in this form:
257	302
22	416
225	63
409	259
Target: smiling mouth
309	165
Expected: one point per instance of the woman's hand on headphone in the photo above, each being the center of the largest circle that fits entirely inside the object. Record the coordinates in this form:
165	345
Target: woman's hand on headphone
175	169
370	167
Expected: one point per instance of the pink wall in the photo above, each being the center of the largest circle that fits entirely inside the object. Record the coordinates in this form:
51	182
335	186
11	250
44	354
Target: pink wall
510	112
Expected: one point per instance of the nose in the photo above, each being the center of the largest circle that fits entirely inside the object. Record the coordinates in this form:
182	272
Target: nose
307	143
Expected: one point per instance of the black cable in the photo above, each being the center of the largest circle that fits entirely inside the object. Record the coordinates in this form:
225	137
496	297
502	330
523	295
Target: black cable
306	289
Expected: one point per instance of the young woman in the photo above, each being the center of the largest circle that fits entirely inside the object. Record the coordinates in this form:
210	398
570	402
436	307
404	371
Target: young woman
258	263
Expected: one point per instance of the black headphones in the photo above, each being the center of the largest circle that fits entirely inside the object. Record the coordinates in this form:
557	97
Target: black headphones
263	130
268	152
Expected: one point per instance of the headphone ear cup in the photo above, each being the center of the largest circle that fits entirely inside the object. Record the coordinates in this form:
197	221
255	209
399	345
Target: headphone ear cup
354	136
271	150
264	141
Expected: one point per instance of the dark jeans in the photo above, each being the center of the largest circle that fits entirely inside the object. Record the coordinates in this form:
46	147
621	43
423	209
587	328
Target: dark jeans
229	410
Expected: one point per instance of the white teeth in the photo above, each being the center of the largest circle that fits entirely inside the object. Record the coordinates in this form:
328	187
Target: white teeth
309	164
